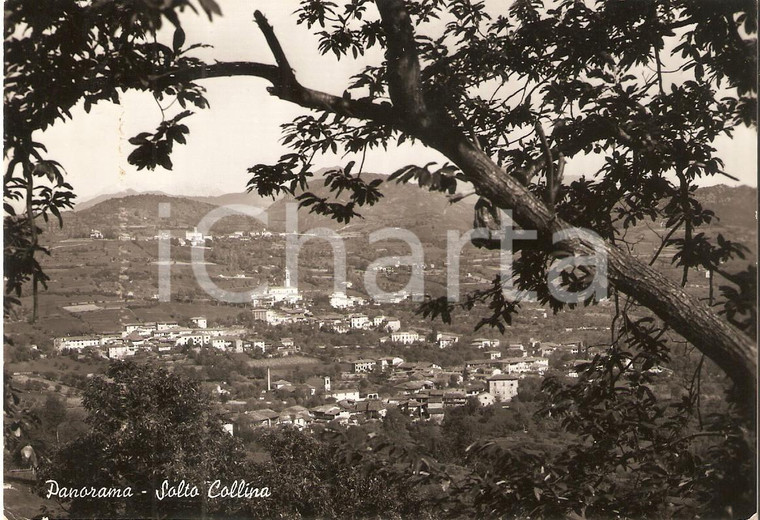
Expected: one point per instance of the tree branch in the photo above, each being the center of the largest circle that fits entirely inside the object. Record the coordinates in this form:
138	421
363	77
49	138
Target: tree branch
298	94
286	86
404	84
286	72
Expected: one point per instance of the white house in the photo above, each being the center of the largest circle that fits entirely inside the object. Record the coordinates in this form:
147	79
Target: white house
396	297
485	343
445	340
359	321
76	342
386	362
486	399
227	343
109	338
192	339
195	237
166	325
200	322
392	324
129	328
571	347
272	317
259	344
364	365
350	394
523	365
121	351
261	299
281	383
340	300
538	364
406	337
547	349
136	339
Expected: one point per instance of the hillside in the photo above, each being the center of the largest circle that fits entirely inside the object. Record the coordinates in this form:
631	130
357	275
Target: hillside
425	213
251	199
94	201
735	206
138	215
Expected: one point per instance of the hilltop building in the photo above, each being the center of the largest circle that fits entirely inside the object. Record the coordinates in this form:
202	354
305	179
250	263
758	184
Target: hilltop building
196	238
286	293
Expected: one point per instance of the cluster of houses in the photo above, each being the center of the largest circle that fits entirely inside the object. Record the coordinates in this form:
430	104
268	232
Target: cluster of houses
342	300
419	399
289	295
511	365
192	238
337	323
163	336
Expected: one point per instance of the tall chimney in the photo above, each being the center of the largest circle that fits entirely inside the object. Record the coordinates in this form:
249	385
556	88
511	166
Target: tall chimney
269	381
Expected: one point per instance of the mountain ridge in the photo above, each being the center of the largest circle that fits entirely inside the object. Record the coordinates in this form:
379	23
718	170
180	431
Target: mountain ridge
409	207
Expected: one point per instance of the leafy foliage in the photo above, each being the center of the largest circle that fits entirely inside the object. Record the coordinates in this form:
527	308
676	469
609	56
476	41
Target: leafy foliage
360	193
594	73
155	149
146	426
19	421
608	445
311	478
59	54
20	266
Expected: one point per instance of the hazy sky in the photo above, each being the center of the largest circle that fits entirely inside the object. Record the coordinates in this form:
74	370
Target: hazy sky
242	126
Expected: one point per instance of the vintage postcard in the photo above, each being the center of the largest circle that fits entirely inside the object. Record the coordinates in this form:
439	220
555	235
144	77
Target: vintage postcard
380	259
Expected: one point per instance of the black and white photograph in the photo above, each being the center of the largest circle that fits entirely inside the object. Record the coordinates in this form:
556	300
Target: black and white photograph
380	259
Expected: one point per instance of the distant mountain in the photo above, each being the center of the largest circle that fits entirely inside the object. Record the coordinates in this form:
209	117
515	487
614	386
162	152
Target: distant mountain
248	199
88	203
403	205
251	199
427	214
138	215
734	205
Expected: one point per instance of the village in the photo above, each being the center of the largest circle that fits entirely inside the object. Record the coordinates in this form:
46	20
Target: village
362	382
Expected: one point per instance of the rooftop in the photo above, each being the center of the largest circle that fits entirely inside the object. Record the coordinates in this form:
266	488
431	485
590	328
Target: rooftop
503	377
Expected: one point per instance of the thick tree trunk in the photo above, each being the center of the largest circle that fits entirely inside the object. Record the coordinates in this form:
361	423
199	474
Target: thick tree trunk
733	351
729	348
